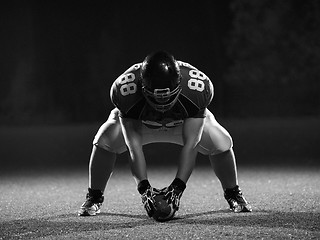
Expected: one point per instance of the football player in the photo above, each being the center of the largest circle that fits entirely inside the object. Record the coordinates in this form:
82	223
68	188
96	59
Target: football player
162	100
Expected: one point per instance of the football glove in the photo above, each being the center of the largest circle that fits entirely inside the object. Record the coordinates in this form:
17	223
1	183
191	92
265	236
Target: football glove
148	200
174	192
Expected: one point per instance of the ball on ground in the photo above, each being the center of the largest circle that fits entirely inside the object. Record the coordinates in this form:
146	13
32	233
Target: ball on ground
163	210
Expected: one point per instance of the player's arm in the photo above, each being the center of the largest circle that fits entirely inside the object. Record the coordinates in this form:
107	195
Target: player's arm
192	132
132	133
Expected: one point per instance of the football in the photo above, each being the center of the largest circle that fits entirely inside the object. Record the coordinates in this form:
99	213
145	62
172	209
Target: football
163	210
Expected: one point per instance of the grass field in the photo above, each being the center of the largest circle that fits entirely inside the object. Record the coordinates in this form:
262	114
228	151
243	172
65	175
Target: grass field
44	205
43	181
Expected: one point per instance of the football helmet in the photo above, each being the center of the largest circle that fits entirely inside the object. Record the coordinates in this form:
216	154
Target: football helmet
161	79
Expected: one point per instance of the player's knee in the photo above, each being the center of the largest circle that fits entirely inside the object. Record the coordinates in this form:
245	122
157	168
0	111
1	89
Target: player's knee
110	138
216	145
229	143
102	145
100	141
103	142
223	148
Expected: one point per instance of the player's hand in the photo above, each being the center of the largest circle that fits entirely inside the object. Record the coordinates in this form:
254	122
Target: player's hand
173	194
148	200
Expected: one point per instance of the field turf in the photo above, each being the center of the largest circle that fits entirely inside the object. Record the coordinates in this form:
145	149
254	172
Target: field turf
43	181
44	205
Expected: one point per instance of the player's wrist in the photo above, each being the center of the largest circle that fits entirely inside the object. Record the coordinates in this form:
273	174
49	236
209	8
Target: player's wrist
143	186
178	184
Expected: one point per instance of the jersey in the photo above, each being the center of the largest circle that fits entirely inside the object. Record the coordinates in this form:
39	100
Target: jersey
196	94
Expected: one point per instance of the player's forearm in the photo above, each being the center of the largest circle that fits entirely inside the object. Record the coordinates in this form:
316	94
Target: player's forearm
133	138
138	165
186	163
192	131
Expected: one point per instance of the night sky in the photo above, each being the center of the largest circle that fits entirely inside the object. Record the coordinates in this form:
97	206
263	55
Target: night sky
59	58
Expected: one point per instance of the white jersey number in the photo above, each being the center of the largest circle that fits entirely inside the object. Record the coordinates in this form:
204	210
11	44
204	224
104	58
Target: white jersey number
127	84
196	81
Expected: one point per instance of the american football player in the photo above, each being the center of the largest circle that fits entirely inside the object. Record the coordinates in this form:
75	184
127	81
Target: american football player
162	100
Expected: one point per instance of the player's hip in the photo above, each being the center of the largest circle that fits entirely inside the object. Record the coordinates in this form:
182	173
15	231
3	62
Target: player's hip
214	137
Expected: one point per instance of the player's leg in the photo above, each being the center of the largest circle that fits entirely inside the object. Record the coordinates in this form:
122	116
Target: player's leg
217	143
224	166
107	143
100	168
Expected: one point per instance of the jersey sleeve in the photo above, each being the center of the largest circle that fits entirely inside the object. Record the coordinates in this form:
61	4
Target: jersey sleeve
125	92
197	90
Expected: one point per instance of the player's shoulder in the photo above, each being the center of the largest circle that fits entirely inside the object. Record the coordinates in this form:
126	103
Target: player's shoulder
135	69
125	91
196	85
188	70
132	74
185	65
191	74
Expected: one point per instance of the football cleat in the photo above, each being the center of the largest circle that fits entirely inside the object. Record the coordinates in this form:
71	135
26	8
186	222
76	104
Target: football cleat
236	200
93	203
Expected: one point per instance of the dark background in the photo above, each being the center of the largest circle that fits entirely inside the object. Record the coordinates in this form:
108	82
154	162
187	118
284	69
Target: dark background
59	58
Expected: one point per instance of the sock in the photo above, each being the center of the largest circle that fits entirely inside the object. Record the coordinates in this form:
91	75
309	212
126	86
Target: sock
233	190
96	194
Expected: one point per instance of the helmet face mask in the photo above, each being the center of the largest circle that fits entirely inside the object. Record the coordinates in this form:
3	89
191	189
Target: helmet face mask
162	100
161	78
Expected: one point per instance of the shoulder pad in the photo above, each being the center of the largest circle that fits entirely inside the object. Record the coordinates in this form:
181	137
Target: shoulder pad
196	86
126	89
184	64
134	67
